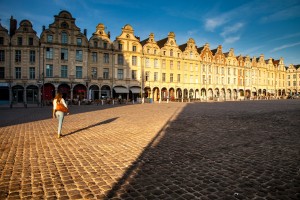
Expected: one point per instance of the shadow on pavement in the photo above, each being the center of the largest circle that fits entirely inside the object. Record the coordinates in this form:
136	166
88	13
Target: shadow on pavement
91	126
230	150
21	115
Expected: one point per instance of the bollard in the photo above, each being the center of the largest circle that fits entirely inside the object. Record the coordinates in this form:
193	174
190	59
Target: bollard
102	102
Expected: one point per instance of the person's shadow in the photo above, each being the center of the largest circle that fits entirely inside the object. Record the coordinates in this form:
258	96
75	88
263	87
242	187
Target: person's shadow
93	125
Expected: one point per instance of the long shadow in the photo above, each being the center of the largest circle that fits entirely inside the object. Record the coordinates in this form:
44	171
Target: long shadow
21	115
230	150
93	125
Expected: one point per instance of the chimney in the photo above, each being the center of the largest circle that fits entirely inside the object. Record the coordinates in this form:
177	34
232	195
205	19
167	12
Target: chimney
12	26
108	34
44	28
85	31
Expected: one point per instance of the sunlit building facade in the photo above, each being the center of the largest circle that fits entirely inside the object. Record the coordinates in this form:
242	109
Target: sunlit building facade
33	69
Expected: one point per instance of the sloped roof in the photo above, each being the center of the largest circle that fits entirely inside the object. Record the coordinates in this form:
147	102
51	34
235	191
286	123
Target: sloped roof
3	29
214	51
200	49
161	43
144	41
182	47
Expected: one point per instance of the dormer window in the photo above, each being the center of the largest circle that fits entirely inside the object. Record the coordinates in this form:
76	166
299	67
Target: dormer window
120	46
64	25
171	52
64	38
133	48
20	41
105	45
49	38
79	41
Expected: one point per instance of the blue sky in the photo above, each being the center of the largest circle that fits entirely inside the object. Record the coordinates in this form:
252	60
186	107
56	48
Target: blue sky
269	27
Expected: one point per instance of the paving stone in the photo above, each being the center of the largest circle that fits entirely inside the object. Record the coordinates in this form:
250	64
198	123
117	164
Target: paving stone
223	150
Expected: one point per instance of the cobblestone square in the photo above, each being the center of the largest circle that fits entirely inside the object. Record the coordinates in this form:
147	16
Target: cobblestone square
217	150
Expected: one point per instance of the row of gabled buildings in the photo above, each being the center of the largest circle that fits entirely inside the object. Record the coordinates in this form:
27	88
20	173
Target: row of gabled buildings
33	69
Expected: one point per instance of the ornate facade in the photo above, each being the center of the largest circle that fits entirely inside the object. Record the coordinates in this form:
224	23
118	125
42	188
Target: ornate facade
63	59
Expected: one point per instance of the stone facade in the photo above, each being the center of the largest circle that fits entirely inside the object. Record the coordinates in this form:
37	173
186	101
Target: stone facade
63	59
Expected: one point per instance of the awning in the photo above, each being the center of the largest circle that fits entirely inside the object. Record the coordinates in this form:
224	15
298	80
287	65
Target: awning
120	90
135	90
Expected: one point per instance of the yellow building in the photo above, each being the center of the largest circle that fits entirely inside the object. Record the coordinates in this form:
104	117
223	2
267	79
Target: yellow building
63	59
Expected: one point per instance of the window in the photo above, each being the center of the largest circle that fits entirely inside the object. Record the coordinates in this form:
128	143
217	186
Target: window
134	60
147	62
178	78
105	45
2	55
191	67
229	71
171	77
30	41
1	40
64	71
171	64
95	43
120	46
196	79
156	63
49	53
18	55
18	72
78	55
64	38
79	41
147	76
133	74
105	73
94	56
94	72
20	41
49	38
133	48
191	54
106	58
185	66
32	56
2	74
178	65
49	70
120	74
120	59
31	73
171	52
163	77
228	80
196	67
155	76
78	71
163	63
191	79
64	54
222	70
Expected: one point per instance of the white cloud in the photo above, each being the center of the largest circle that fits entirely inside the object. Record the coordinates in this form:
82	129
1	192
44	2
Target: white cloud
285	46
211	24
230	40
231	29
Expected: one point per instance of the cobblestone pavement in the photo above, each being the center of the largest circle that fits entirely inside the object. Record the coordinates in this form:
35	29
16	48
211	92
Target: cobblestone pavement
223	150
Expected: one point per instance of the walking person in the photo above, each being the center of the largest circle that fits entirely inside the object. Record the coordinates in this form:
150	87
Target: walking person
59	113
